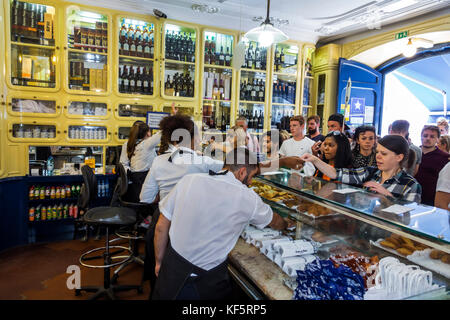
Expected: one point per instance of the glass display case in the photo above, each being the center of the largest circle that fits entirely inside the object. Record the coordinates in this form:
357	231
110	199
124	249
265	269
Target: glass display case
308	83
252	97
349	224
133	110
217	86
179	61
32	106
123	133
185	109
136	57
284	86
88	108
87	132
33	49
33	131
87	51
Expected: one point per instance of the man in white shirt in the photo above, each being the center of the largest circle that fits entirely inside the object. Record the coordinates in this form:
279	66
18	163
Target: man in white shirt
253	144
201	220
442	197
299	144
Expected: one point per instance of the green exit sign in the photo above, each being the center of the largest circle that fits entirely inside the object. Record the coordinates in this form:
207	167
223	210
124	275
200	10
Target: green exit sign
401	35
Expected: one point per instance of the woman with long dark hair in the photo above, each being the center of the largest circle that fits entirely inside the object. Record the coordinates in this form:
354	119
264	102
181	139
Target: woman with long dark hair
364	152
137	157
335	151
388	178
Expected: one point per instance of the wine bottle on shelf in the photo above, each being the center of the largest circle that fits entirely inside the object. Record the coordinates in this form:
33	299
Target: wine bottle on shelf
262	90
138	81
282	58
221	57
221	90
132	78
253	91
257	58
249	91
228	58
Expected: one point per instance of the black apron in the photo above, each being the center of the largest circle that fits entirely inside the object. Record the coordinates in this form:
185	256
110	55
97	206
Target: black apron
175	274
134	188
149	261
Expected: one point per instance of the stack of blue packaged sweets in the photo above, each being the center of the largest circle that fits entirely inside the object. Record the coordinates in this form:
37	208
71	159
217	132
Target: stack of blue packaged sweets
321	280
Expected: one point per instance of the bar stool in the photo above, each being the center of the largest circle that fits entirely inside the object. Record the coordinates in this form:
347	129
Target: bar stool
132	235
108	217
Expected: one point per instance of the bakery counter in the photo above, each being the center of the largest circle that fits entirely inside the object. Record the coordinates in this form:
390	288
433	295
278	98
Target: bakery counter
264	274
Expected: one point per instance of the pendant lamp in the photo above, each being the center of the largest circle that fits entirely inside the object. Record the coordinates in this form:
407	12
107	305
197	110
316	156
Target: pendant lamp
266	34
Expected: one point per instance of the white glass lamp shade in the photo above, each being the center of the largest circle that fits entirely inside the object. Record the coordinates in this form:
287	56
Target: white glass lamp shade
266	35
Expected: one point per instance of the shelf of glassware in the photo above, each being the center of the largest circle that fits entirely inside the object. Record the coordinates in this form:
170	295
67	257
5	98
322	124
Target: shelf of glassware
33	131
136	43
86	108
33	50
30	105
132	110
87	133
87	38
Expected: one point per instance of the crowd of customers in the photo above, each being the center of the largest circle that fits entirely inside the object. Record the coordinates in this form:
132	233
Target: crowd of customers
179	180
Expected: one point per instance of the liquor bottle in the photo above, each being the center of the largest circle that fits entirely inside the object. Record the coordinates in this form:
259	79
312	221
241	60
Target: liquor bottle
228	58
261	121
262	89
249	91
253	91
277	60
150	79
282	58
221	90
221	57
139	47
132	45
151	42
125	45
207	55
215	90
242	91
250	57
132	78
257	58
138	81
145	82
126	80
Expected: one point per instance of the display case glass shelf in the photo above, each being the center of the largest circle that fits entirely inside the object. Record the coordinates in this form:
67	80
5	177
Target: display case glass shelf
33	131
33	106
128	110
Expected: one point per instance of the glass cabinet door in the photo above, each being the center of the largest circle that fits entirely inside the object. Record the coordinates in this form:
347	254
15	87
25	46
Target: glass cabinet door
33	107
217	86
129	110
179	66
33	48
35	132
308	80
124	133
255	56
88	132
252	97
284	86
136	57
87	46
81	109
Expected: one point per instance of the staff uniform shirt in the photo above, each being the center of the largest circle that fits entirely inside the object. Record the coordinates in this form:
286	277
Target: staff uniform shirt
291	147
427	175
208	214
143	156
164	175
402	185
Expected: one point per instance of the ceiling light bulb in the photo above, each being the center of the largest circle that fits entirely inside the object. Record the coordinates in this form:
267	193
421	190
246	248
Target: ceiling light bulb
409	50
265	39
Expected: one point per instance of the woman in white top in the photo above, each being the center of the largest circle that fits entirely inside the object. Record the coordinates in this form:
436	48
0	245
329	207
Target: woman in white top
138	157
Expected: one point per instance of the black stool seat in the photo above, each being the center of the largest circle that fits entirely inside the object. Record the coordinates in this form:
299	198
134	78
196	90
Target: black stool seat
110	216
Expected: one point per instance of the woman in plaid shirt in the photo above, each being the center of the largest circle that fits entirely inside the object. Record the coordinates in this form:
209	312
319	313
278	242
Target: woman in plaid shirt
388	178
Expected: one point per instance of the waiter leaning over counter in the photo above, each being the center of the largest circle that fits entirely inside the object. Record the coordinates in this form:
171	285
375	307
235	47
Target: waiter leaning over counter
201	220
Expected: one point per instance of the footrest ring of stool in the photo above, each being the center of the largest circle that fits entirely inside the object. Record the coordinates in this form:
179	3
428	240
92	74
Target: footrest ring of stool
105	266
127	234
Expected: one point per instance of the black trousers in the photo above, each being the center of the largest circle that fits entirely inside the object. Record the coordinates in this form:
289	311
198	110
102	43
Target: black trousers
134	188
150	261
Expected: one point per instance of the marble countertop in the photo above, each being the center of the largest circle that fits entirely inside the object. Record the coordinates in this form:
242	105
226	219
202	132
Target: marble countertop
265	274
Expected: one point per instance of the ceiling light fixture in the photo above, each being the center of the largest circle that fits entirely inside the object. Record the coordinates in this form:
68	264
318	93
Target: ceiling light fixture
414	43
266	34
204	8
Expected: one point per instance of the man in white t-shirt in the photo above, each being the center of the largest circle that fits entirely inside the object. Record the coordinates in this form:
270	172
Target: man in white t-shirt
442	197
201	220
299	144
